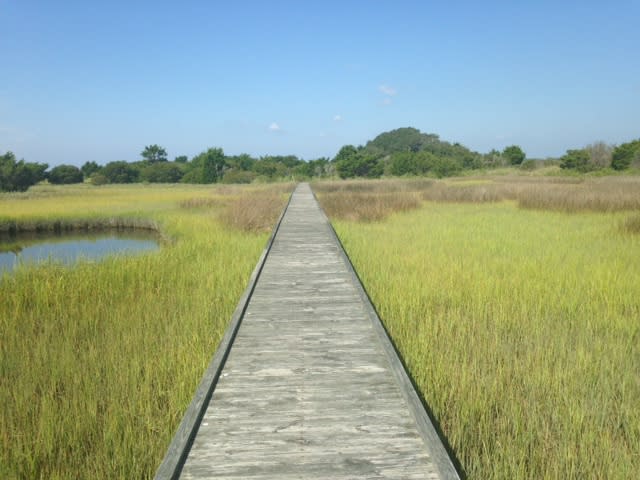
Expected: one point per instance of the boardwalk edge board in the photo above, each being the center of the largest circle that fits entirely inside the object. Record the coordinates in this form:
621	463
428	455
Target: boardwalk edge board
424	423
178	449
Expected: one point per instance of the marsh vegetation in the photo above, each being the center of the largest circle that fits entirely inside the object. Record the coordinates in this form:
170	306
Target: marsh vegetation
514	302
98	362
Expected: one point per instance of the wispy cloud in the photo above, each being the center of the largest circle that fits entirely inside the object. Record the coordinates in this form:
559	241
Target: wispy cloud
337	118
274	127
387	90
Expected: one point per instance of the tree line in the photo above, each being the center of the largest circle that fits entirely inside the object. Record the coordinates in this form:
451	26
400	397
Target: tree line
599	155
404	151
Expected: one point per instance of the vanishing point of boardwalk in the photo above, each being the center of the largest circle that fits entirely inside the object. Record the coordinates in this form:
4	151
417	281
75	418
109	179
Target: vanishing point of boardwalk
310	386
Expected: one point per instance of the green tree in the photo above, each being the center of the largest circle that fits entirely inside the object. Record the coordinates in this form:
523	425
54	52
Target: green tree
65	174
400	140
269	167
345	153
575	159
244	161
235	175
443	166
89	168
38	170
120	172
207	167
514	155
359	165
154	153
625	154
19	176
181	159
162	172
405	163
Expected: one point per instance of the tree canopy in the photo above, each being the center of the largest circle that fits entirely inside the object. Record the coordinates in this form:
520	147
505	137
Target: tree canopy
514	154
625	154
154	153
65	174
19	175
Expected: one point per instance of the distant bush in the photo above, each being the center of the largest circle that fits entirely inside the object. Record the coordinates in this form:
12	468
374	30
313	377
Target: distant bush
19	175
120	172
528	165
162	172
238	176
98	179
626	154
575	159
65	174
89	168
514	154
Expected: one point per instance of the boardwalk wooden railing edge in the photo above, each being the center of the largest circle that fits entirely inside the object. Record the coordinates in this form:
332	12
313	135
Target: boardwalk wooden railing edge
178	449
424	422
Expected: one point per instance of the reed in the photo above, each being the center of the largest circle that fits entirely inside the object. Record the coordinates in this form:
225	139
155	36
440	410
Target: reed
375	199
98	362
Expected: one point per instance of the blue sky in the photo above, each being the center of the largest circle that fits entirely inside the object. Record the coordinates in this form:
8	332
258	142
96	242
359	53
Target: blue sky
98	81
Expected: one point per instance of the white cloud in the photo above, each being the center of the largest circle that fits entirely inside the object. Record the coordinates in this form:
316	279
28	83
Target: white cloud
274	127
337	118
387	90
387	101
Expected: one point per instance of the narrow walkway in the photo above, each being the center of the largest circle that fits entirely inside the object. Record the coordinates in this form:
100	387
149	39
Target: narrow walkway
308	390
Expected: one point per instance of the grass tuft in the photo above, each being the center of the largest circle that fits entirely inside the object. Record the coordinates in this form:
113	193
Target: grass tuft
370	200
367	207
631	224
253	213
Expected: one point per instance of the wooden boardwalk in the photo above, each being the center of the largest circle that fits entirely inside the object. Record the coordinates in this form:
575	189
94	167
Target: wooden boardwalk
310	386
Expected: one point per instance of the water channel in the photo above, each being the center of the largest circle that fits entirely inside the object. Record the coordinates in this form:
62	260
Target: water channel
22	249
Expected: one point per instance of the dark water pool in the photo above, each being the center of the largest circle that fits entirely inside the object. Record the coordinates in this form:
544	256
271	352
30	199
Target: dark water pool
69	248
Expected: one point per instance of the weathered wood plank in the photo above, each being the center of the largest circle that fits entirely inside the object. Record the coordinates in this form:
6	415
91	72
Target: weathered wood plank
311	386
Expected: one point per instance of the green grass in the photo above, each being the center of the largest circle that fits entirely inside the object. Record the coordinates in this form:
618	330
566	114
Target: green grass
98	362
520	327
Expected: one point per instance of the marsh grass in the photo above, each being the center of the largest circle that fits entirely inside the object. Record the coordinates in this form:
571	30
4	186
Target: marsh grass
375	200
370	200
367	207
235	208
256	213
631	224
98	362
519	326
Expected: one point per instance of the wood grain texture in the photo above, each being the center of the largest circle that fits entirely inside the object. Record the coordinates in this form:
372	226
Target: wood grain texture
309	388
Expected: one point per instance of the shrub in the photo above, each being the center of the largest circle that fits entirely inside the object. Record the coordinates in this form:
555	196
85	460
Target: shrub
626	154
528	165
162	172
65	174
98	179
576	159
238	176
120	172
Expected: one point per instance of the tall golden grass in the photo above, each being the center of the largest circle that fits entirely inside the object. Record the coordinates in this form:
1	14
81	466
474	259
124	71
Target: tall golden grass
375	199
370	200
